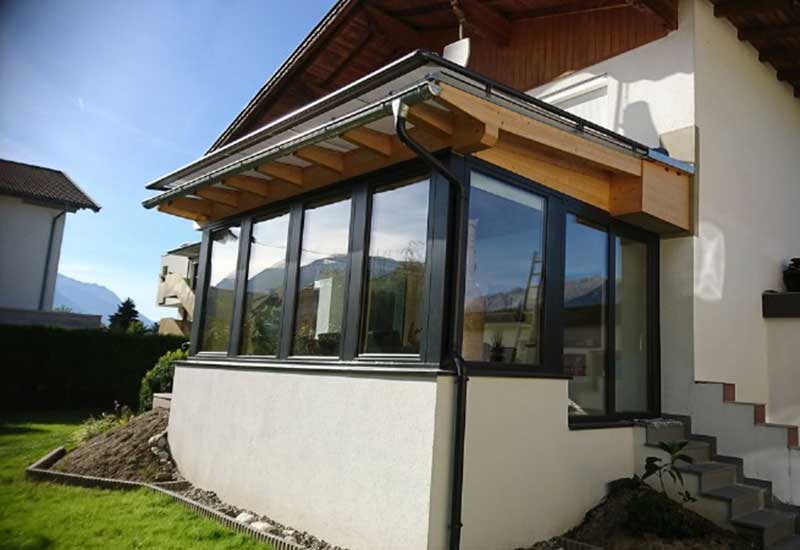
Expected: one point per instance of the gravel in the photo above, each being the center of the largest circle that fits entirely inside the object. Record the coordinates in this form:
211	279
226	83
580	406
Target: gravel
257	521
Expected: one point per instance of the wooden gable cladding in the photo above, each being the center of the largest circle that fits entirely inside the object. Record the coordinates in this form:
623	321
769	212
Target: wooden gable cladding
521	43
644	192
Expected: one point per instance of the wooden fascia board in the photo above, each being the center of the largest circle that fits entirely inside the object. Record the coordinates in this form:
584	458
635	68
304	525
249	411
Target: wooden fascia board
538	132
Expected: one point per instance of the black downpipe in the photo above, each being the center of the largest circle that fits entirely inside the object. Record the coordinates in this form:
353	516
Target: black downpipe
460	421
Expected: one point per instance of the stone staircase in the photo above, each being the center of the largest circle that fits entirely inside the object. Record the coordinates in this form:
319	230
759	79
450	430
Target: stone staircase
724	494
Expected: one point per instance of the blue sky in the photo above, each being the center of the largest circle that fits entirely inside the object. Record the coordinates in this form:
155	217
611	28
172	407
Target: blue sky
116	93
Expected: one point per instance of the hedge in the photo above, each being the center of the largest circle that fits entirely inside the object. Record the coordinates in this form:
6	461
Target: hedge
48	367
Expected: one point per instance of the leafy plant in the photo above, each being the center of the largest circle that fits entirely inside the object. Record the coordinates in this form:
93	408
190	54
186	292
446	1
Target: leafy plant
656	466
92	427
159	378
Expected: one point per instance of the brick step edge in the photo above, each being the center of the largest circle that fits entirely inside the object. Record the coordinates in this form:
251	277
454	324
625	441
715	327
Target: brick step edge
40	471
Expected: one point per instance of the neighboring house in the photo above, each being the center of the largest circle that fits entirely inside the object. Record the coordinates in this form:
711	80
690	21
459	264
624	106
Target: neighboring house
34	202
398	353
176	286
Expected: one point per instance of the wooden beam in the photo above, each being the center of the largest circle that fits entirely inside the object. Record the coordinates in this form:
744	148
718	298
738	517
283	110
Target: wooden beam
539	132
393	29
438	121
223	196
777	56
738	8
666	10
373	140
198	206
768	33
175	211
282	171
789	75
472	135
485	21
250	184
333	160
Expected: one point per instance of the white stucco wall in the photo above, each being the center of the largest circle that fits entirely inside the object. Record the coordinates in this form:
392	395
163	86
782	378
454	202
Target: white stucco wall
749	192
347	458
650	90
527	476
24	235
783	370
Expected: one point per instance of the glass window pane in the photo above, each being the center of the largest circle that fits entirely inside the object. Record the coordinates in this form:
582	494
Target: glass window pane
321	286
266	272
504	273
630	367
396	270
585	303
219	296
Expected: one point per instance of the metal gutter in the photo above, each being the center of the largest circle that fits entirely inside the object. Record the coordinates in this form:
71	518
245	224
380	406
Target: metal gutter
417	93
349	92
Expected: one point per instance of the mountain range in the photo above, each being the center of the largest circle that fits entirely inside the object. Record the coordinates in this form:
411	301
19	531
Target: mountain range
81	297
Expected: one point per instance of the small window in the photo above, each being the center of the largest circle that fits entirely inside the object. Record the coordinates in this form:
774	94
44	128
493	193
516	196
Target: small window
219	295
396	270
266	272
504	287
323	276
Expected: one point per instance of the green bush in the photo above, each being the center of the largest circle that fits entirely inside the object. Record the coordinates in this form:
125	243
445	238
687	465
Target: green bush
159	378
48	367
92	426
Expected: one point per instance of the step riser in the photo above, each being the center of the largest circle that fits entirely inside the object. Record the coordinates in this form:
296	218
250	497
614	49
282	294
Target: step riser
699	454
744	505
770	536
716	480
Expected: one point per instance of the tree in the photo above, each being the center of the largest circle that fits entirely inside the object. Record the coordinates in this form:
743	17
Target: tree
125	315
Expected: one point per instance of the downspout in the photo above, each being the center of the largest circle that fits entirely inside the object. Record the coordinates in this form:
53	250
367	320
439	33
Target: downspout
47	258
400	111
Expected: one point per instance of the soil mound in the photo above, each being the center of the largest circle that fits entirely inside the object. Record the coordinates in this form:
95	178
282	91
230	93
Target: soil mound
627	517
124	452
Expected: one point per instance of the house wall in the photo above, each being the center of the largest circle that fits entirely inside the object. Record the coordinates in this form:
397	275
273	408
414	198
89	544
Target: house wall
24	236
749	138
527	476
783	364
361	461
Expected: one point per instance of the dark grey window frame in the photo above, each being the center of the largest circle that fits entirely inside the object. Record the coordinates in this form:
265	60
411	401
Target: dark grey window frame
444	280
359	190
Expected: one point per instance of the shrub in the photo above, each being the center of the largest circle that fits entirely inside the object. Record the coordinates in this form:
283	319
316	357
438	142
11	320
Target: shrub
92	426
48	367
159	378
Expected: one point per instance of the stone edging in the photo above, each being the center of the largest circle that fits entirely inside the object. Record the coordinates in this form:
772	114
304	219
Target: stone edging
40	471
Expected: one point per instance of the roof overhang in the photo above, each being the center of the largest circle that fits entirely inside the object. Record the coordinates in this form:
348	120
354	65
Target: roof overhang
351	132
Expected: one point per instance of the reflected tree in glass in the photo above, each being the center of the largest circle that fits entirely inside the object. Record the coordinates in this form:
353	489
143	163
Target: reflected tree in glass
218	309
321	286
266	273
396	270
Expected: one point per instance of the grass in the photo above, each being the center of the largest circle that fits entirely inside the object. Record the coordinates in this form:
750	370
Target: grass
44	516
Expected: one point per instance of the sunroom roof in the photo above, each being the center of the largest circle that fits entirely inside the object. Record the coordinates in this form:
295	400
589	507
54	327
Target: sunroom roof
351	132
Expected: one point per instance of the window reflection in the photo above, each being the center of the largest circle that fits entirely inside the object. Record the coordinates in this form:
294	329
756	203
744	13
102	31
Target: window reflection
630	334
219	294
396	270
504	281
321	286
585	303
266	272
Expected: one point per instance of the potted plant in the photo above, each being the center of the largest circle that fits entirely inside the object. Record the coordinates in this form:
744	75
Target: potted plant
791	276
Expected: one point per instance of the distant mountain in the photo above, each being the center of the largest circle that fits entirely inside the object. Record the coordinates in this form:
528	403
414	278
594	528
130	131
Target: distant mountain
89	298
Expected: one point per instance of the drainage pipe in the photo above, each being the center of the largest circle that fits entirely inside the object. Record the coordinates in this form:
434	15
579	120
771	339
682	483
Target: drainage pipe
50	240
400	111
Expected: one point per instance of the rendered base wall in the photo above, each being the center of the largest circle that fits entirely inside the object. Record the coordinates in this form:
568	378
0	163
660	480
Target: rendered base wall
783	366
347	458
527	476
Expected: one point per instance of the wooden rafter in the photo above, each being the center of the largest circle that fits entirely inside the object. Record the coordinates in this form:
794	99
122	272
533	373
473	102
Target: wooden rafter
666	10
433	119
738	8
250	184
768	34
175	211
392	29
373	140
332	160
789	75
285	172
484	20
571	8
222	196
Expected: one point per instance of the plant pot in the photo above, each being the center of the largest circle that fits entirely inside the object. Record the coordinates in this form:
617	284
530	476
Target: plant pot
791	276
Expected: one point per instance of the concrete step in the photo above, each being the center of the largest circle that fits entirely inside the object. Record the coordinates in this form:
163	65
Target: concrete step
700	451
713	475
766	527
742	499
792	543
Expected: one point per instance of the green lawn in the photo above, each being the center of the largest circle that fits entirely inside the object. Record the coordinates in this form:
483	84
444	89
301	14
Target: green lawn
44	516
